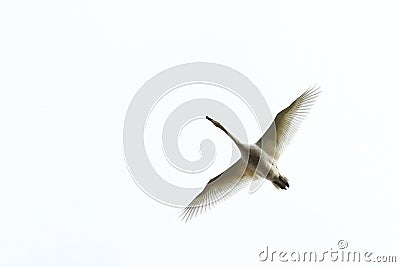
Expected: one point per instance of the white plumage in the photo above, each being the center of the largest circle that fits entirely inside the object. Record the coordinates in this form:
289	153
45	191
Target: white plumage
257	160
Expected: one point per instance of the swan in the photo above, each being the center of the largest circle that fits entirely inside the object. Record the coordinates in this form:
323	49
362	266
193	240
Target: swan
257	160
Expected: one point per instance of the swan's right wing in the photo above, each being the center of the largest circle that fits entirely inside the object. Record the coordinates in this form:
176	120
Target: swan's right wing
219	188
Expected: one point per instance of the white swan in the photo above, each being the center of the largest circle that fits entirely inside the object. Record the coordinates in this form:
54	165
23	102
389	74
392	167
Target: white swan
257	160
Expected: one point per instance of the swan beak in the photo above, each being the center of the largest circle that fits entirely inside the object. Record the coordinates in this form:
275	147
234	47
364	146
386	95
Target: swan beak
213	121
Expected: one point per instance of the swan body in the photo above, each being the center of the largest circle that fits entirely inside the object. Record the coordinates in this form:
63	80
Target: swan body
259	160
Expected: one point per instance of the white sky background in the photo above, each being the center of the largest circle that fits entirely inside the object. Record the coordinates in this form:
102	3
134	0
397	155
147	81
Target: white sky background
68	71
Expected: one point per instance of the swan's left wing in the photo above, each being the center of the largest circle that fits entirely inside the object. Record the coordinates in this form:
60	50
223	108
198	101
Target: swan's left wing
287	122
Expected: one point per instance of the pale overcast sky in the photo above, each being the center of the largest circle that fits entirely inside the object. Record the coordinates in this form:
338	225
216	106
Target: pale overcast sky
69	70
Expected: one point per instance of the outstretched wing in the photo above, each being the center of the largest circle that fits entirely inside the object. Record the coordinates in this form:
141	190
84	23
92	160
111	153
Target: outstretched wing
287	122
219	188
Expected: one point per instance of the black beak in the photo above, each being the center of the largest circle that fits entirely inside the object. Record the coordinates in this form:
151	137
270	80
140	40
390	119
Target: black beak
213	121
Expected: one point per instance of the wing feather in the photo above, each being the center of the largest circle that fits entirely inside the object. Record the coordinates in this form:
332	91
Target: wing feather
287	122
217	189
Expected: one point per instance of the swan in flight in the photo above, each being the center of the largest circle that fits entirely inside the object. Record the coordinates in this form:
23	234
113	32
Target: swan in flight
257	160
